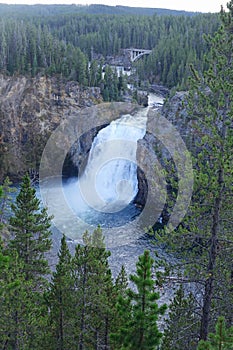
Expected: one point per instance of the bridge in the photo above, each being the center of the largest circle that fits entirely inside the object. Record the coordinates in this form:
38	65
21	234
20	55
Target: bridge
136	54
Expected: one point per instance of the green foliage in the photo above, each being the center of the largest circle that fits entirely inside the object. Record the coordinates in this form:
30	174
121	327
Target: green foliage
93	285
203	241
178	333
81	298
30	226
61	303
121	283
211	102
23	270
78	309
97	9
5	200
22	314
53	40
13	309
110	85
221	340
95	73
139	310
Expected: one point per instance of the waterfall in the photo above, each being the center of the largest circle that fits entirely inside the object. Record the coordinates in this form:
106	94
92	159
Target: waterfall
109	182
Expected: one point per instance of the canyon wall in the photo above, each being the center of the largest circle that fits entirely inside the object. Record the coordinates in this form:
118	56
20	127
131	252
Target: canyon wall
32	108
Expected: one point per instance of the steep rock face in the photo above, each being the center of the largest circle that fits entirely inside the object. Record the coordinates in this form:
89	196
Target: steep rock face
150	150
30	109
76	159
175	110
90	122
145	158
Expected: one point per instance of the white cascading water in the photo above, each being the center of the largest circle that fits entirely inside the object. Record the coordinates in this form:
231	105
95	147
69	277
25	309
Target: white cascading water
109	182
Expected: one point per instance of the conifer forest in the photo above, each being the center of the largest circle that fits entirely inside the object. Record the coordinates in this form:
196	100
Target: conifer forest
177	295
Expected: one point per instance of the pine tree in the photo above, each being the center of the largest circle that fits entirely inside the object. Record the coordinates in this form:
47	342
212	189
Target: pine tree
30	226
121	284
119	290
95	73
110	86
182	324
60	297
140	310
204	240
212	103
121	313
5	199
22	319
93	285
4	264
221	340
6	191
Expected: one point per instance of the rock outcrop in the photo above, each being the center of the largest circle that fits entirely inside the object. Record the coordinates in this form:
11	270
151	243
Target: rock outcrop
175	110
151	150
30	109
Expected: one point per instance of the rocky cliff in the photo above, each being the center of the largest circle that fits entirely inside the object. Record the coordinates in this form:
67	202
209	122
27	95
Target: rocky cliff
30	109
152	151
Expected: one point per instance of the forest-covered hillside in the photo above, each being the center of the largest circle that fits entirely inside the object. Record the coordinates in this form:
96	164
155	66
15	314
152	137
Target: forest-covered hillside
76	303
51	10
64	39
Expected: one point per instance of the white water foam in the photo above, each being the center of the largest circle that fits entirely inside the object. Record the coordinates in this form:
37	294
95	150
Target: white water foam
109	182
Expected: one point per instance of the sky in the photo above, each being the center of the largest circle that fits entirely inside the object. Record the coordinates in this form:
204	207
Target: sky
187	5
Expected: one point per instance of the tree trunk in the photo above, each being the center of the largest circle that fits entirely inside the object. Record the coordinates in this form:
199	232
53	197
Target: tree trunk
61	326
209	284
106	333
83	313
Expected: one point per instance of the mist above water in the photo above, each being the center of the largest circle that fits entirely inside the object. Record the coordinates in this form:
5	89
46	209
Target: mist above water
105	192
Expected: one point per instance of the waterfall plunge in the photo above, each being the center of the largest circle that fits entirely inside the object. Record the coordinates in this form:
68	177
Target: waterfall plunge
109	182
